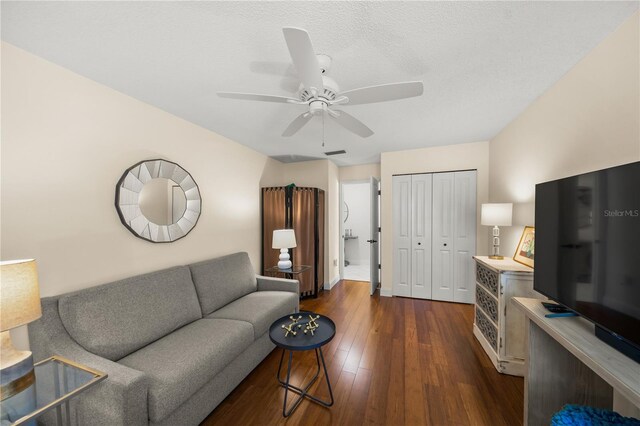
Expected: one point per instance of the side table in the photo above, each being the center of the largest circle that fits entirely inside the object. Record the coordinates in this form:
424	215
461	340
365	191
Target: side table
302	342
288	273
57	380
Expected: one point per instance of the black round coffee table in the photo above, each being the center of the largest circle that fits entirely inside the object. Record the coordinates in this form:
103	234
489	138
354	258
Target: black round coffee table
314	338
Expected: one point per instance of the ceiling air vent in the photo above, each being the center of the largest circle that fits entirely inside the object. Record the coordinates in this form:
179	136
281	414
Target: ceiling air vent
342	151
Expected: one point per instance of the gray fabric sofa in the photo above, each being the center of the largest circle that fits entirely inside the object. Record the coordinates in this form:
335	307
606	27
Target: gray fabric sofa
174	342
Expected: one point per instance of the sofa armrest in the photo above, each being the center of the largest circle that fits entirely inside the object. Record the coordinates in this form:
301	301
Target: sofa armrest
120	399
277	284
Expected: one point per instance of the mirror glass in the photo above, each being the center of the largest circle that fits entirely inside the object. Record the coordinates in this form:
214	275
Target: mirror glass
162	201
345	209
158	201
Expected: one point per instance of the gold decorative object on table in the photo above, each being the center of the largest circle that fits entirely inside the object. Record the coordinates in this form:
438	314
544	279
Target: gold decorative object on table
310	326
291	327
288	329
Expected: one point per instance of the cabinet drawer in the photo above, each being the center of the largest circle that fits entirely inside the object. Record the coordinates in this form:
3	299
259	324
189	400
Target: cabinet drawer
487	278
488	304
488	330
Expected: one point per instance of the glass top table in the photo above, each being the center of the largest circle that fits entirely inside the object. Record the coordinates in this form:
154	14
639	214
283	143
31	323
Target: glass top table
295	269
57	380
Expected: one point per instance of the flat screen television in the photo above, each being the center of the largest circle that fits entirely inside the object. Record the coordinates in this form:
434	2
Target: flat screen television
588	250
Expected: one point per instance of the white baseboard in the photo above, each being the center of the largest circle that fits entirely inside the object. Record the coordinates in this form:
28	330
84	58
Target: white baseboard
330	285
336	281
385	292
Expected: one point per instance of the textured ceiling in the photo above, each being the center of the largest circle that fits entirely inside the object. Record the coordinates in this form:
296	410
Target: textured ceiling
482	63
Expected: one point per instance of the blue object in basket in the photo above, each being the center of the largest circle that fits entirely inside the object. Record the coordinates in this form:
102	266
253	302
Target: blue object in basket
579	415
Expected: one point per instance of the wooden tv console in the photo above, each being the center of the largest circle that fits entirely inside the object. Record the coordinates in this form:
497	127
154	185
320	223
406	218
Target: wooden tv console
568	364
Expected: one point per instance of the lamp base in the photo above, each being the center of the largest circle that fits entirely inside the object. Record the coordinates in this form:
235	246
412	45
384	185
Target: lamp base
285	262
16	368
495	253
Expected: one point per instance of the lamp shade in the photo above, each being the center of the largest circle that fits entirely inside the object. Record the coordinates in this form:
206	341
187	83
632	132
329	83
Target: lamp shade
19	293
284	239
496	214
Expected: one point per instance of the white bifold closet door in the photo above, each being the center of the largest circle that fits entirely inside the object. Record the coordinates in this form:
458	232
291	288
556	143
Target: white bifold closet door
412	235
421	186
402	235
454	236
434	233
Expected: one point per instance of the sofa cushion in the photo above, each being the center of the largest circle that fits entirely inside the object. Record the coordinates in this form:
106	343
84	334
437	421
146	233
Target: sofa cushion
260	309
221	281
182	362
116	319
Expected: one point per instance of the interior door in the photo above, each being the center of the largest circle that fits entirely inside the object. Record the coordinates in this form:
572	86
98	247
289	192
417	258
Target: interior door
401	218
464	244
374	238
421	191
442	231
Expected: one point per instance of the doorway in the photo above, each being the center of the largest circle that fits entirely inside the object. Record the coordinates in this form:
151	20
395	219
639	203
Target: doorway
359	227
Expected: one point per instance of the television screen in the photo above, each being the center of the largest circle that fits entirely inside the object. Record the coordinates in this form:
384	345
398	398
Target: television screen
588	247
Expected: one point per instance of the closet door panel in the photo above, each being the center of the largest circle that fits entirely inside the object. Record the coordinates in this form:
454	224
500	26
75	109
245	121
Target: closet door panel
401	218
421	207
443	236
464	236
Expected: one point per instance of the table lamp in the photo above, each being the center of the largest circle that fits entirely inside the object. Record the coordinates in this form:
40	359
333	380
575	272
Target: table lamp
19	305
284	239
496	214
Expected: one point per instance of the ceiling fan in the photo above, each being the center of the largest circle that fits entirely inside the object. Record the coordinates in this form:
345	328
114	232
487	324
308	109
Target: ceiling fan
321	92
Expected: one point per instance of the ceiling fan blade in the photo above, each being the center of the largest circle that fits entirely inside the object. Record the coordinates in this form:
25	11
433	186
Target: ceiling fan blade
351	123
297	124
384	92
257	97
304	58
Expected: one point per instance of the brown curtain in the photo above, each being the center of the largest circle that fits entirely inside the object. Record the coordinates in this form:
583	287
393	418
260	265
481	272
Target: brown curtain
273	217
320	260
304	227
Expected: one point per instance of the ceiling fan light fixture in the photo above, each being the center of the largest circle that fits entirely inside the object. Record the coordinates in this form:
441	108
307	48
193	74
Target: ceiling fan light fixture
317	107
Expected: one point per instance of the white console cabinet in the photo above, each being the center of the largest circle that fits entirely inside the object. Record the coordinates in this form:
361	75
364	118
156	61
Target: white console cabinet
568	364
498	325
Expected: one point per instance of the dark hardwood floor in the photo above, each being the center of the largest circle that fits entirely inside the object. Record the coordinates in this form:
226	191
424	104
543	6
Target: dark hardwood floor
393	361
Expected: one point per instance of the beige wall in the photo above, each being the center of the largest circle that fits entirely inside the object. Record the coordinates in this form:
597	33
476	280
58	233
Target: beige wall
333	220
307	173
588	120
66	140
437	159
359	172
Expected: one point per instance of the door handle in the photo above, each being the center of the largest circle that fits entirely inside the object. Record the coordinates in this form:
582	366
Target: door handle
419	244
372	241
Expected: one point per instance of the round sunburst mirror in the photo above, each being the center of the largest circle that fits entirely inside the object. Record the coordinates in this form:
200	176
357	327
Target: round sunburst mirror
158	201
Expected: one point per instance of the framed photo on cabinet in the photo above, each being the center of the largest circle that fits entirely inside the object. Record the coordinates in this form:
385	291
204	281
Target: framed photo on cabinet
526	247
